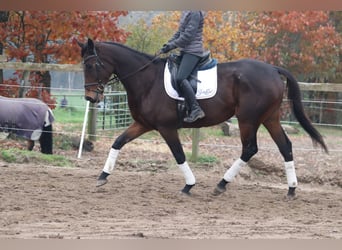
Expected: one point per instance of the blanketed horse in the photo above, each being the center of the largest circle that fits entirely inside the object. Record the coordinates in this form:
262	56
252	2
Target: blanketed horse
28	118
249	89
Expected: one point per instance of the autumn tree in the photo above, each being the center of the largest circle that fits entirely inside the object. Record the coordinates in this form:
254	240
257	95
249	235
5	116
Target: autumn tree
221	34
49	36
308	43
336	19
304	42
233	35
149	37
3	19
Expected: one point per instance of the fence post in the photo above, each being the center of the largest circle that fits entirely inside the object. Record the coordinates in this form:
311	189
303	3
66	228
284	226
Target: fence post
92	122
83	130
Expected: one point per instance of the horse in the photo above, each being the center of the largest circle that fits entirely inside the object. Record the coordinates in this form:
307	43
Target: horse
28	118
248	89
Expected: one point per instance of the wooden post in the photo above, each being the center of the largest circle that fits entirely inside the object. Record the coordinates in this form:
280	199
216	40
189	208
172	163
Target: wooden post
195	143
92	122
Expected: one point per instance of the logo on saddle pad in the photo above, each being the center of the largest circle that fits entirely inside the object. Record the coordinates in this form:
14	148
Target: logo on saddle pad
206	85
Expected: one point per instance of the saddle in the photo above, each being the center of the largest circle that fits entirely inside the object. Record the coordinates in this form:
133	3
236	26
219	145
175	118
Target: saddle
205	63
173	62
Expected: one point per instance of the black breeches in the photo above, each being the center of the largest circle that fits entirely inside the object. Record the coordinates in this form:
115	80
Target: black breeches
186	67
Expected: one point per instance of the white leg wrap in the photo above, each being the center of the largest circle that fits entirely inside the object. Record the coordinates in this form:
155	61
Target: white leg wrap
110	162
188	175
291	174
234	170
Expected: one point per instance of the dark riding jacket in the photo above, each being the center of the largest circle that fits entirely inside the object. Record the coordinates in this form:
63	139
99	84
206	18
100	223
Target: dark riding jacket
189	35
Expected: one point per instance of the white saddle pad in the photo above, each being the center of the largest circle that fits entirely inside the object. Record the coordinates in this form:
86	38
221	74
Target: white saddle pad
206	87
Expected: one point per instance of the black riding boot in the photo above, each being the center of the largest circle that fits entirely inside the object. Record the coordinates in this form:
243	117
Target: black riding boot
195	110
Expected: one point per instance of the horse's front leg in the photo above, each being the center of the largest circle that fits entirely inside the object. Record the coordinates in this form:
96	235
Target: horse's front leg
132	132
172	139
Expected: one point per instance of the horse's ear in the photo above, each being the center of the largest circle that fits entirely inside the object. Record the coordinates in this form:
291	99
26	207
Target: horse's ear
90	45
80	44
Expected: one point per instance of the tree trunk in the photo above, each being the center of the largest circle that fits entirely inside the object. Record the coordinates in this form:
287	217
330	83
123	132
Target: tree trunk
46	80
24	84
1	71
3	18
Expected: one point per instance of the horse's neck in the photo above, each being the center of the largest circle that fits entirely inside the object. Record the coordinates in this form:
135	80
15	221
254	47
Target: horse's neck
143	82
135	70
133	67
126	60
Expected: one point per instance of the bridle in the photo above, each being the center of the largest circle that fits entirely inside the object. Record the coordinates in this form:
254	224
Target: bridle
99	64
100	84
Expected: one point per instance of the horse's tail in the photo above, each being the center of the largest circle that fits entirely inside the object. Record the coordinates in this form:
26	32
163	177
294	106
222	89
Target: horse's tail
294	94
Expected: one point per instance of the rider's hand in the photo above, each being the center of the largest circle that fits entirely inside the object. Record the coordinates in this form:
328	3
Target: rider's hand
167	47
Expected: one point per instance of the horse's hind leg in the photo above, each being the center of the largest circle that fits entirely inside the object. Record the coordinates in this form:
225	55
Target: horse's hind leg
249	148
46	140
285	147
30	145
132	132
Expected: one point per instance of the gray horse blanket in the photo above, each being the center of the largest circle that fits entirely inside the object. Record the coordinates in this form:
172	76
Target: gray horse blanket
26	117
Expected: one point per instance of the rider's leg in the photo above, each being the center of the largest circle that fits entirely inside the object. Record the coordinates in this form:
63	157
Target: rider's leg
187	65
195	110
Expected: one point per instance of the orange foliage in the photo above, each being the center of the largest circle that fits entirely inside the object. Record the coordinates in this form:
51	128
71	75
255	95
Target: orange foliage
47	36
42	94
9	88
305	42
38	91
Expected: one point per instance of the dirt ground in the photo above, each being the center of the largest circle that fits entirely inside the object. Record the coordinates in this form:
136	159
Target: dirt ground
142	198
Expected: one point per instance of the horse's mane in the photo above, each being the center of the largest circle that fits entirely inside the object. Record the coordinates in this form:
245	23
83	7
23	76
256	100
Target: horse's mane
147	56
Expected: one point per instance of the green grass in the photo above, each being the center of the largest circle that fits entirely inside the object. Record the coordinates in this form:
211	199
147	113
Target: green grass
75	98
14	155
202	159
68	115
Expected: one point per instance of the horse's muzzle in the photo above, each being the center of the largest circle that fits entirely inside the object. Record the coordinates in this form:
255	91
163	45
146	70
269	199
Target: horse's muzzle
93	96
90	99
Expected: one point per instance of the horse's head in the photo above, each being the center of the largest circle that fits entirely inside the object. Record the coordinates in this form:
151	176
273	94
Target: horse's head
96	73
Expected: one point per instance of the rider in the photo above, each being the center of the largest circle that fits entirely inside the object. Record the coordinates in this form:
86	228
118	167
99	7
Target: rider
189	39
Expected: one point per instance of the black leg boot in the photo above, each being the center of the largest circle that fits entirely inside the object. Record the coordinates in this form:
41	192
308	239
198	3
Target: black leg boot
195	110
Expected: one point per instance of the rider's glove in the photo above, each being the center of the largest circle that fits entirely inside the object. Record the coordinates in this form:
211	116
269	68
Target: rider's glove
167	47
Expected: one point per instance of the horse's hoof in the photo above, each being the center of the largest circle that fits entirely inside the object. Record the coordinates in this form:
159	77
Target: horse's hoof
184	193
187	188
291	194
219	190
290	197
101	182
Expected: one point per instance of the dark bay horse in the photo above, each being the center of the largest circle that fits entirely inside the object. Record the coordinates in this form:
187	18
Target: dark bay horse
249	89
28	118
